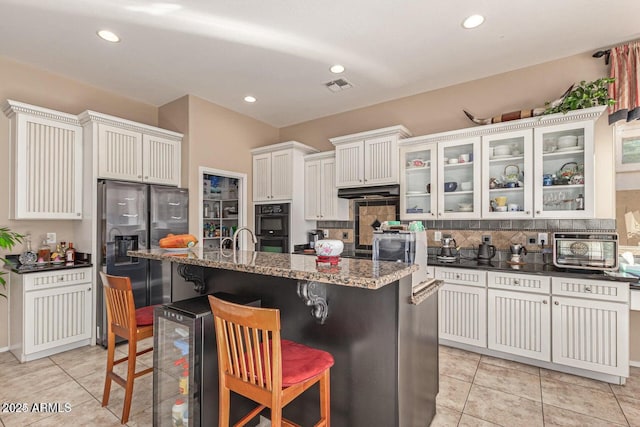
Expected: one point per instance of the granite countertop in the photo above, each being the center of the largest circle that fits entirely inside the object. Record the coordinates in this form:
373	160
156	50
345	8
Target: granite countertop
533	268
12	264
349	272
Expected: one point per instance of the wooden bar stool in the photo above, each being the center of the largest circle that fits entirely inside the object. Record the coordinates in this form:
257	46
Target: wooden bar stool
254	362
124	321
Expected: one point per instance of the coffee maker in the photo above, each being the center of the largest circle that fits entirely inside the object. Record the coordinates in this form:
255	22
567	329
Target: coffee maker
448	249
314	236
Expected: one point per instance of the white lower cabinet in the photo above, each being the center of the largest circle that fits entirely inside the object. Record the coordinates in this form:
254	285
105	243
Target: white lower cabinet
519	323
591	332
568	323
50	312
462	304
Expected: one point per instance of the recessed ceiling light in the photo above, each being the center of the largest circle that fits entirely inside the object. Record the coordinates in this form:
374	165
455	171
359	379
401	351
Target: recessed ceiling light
336	69
108	36
250	99
473	21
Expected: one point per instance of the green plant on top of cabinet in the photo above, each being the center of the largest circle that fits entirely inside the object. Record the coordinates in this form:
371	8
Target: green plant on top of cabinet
368	158
132	151
46	163
507	174
321	200
275	169
458	176
418	180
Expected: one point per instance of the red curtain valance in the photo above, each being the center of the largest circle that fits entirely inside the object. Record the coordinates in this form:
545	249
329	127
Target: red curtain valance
625	69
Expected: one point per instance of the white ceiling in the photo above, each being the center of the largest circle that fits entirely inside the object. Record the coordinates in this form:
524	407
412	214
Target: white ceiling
280	51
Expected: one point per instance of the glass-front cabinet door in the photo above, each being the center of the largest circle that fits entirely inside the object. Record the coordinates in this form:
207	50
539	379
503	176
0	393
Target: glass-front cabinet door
418	181
458	179
507	175
564	186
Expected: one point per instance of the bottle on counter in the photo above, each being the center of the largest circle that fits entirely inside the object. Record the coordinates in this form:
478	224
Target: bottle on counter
57	255
70	253
44	252
28	257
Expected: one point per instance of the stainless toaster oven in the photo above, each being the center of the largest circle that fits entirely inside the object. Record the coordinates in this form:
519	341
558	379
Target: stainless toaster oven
586	250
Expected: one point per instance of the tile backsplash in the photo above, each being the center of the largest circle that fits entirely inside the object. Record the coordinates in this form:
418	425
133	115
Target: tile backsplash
468	233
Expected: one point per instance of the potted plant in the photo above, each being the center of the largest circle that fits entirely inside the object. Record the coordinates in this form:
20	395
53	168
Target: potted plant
584	95
8	239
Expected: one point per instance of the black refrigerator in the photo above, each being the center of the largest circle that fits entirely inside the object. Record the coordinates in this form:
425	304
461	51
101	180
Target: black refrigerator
135	216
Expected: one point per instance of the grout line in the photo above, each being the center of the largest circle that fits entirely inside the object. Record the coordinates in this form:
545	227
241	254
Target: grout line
615	396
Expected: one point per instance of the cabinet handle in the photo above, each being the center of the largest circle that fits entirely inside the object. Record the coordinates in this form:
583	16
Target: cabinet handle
439	213
556	303
516	281
528	212
146	177
587	288
457	276
60	278
538	212
140	176
544	301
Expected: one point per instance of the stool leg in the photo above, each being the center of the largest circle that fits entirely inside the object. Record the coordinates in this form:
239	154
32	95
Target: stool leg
111	350
325	398
224	404
131	375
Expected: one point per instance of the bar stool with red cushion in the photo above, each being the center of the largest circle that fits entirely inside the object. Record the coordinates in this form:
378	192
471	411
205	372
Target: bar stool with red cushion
254	362
133	325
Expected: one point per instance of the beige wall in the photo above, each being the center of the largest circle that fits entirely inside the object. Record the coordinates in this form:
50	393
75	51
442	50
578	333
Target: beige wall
27	84
217	138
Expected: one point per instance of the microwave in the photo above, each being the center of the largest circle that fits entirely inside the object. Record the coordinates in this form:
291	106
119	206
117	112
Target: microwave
585	250
397	246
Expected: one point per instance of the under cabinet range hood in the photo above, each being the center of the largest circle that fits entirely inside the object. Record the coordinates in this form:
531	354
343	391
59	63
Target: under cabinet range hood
369	192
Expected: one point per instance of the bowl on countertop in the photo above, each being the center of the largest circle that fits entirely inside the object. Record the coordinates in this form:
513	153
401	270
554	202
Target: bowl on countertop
329	247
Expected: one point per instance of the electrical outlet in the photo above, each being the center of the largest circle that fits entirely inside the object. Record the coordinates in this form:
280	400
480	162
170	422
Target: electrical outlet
543	238
437	235
51	238
345	234
532	240
486	238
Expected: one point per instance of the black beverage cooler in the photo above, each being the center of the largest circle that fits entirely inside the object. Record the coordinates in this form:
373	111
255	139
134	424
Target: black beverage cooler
185	361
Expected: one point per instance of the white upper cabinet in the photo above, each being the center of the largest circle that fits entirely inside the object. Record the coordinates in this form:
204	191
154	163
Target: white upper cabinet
273	170
368	158
418	180
507	175
133	151
458	175
321	200
46	163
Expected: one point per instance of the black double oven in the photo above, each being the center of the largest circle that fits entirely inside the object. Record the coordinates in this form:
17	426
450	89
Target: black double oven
272	227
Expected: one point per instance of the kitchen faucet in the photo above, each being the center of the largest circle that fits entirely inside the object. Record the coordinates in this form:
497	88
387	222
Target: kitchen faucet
235	236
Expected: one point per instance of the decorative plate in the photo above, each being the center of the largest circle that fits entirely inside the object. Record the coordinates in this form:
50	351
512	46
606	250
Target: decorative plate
579	248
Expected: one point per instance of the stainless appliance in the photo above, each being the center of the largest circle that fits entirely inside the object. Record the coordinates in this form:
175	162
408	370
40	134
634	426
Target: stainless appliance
585	250
185	360
136	216
314	236
448	249
517	252
486	252
272	227
394	245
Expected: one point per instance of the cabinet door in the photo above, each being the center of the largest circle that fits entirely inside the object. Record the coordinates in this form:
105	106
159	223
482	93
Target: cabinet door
48	169
458	179
519	323
119	153
57	316
462	314
507	175
281	175
312	189
262	177
569	190
591	334
161	160
329	201
418	182
381	160
350	164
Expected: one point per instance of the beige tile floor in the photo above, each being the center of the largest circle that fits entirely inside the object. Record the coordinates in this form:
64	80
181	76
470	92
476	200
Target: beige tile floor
475	390
483	391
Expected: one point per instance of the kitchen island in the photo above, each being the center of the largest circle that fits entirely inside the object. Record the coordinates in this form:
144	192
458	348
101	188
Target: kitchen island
381	330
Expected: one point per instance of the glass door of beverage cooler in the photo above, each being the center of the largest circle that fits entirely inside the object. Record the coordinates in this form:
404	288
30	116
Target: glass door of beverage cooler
176	395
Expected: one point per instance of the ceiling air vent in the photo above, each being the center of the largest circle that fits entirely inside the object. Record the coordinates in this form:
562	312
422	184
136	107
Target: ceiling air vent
338	85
